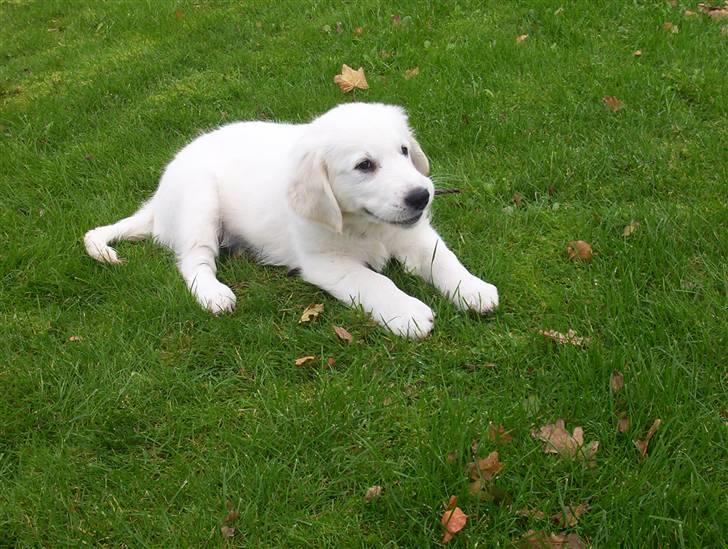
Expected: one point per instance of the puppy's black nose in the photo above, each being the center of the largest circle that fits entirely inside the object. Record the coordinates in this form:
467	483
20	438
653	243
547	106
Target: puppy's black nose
417	199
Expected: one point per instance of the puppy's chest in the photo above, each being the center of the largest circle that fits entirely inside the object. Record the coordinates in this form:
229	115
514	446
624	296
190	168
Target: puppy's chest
369	249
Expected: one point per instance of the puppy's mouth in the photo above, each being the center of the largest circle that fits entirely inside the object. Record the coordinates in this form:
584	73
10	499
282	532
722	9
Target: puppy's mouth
401	222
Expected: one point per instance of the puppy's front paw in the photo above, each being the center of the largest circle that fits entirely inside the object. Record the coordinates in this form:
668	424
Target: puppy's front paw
475	295
413	320
215	297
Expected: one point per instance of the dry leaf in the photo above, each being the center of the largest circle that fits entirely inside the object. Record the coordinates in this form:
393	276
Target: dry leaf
372	493
642	444
343	334
409	73
623	423
557	440
522	38
474	446
579	250
179	14
75	338
485	468
637	53
517	199
630	229
670	27
570	515
453	519
358	31
452	457
231	517
311	312
616	381
396	20
569	337
330	361
498	434
350	79
304	359
531	513
716	12
612	102
227	531
689	13
543	540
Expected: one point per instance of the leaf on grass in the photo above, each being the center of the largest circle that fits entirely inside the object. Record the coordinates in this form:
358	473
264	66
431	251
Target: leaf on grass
579	250
517	199
689	13
304	359
452	457
670	27
612	102
543	540
179	14
498	434
485	468
557	440
522	38
311	312
75	338
643	444
531	513
637	53
569	517
350	79
396	20
716	12
630	229
411	73
231	517
616	381
453	519
623	423
343	334
373	492
330	362
569	338
227	531
358	31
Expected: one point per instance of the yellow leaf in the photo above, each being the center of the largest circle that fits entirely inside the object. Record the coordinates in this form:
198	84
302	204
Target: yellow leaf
304	359
350	79
522	38
311	312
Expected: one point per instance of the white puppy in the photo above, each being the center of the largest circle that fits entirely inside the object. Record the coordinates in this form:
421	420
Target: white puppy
334	199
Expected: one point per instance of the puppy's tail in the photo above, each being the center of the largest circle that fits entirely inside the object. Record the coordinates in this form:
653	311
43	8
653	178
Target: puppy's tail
135	227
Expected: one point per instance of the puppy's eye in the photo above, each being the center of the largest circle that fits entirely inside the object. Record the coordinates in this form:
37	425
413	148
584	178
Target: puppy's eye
365	166
405	150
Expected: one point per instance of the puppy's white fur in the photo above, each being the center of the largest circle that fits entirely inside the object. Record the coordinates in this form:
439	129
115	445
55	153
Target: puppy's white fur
299	195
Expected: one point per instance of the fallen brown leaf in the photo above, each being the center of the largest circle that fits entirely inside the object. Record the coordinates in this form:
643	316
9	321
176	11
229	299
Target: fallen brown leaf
453	519
227	531
452	457
531	513
643	444
623	423
75	338
612	102
579	250
179	14
570	515
689	13
543	540
311	312
304	359
410	73
231	517
557	440
372	493
396	20
569	338
670	27
350	79
517	199
485	468
630	229
343	334
330	361
616	381
498	434
358	31
637	53
716	12
522	38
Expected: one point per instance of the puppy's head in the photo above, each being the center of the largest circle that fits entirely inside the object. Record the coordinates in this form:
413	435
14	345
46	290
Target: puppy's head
361	159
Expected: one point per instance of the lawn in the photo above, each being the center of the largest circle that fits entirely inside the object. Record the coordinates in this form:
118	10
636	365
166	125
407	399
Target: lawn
130	417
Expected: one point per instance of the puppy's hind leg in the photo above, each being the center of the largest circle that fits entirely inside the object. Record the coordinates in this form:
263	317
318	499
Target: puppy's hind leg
195	228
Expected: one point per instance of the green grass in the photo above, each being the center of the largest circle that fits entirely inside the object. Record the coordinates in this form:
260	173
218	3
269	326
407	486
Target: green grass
162	417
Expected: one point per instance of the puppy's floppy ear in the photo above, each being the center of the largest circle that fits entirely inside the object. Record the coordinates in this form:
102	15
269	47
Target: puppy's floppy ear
310	194
418	158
